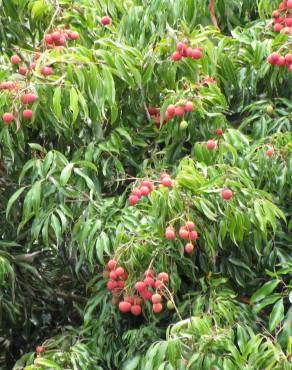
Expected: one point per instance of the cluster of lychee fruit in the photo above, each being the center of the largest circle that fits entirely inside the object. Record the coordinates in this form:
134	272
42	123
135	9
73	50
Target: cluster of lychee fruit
59	37
186	232
183	51
173	110
26	99
26	67
147	289
179	109
147	187
282	18
279	60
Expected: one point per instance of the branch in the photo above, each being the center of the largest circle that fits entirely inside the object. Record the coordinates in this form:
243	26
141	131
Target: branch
211	8
71	297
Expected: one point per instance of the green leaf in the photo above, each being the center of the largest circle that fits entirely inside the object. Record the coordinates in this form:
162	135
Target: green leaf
36	196
50	364
66	173
55	223
74	103
277	314
12	199
57	102
265	290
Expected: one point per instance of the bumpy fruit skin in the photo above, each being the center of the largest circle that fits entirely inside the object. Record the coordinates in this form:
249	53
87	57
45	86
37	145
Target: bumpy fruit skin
146	295
137	192
7	118
193	235
270	109
124	307
40	349
130	299
219	132
28	98
74	35
61	41
270	152
278	27
179	111
148	184
120	271
170	233
190	225
176	56
144	190
133	199
27	113
211	144
197	54
181	47
157	307
166	181
121	284
32	65
152	111
289	4
183	233
227	194
149	281
156	298
22	70
163	276
189	106
288	58
112	264
47	71
149	273
105	20
158	284
140	286
189	248
136	310
281	61
113	275
171	110
111	285
288	22
15	59
48	39
273	58
56	36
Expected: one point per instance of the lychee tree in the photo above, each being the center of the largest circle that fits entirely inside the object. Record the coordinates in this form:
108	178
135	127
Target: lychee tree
146	171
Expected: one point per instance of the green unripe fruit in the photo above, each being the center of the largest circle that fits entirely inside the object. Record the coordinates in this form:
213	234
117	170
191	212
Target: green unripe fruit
170	305
270	109
183	125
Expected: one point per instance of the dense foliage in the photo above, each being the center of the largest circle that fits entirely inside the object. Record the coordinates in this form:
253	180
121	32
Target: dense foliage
85	120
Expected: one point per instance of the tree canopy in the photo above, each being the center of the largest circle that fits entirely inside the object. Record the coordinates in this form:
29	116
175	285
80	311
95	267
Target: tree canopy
145	184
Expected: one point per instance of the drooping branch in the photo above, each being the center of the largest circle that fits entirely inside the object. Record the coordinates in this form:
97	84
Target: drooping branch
211	8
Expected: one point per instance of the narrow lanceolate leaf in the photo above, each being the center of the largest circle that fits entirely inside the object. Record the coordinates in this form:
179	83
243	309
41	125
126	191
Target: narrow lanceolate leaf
57	102
265	290
74	103
277	314
66	173
13	198
36	196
